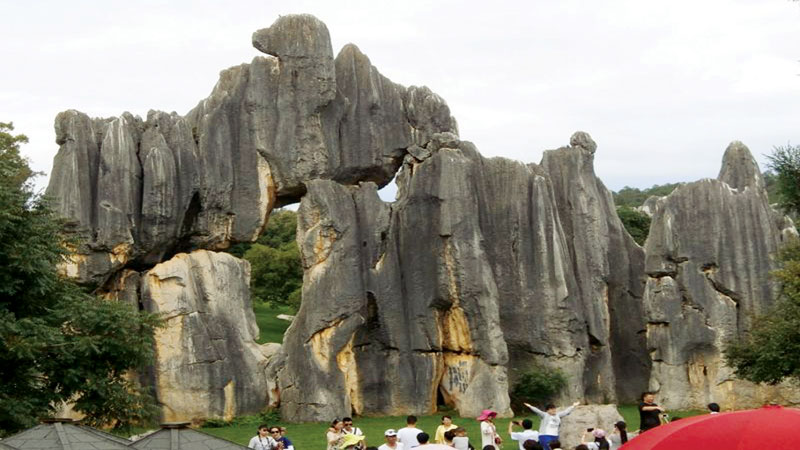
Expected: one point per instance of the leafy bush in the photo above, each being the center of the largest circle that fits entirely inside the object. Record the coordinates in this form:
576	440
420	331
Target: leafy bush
637	223
539	385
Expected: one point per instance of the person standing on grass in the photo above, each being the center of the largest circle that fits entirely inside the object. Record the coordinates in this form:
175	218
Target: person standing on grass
489	437
334	434
408	434
526	434
262	440
447	425
391	441
460	440
649	412
551	422
348	428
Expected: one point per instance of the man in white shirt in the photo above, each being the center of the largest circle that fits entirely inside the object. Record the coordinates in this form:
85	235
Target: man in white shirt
263	441
408	435
525	434
350	429
391	441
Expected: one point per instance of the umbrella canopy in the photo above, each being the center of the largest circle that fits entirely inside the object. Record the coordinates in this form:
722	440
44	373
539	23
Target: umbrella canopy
770	427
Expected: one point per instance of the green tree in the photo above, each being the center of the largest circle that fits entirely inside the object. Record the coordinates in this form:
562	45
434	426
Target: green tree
637	223
785	163
57	342
770	353
633	197
538	386
276	274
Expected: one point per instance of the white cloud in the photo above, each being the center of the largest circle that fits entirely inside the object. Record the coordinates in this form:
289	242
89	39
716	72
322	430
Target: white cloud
662	87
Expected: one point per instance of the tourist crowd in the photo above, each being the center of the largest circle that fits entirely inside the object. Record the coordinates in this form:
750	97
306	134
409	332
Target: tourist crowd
343	435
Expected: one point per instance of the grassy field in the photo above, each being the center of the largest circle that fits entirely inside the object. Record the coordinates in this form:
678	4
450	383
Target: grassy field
311	436
271	327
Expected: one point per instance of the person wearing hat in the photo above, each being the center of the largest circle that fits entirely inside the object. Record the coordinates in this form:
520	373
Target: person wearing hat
600	442
489	435
351	442
391	441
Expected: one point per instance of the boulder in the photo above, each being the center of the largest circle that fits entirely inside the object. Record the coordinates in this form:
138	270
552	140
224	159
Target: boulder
584	417
207	362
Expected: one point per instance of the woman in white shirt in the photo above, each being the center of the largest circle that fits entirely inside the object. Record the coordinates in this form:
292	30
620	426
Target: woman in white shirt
489	436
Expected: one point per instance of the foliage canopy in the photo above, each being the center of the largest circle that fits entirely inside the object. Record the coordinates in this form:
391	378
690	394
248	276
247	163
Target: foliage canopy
57	342
539	385
276	271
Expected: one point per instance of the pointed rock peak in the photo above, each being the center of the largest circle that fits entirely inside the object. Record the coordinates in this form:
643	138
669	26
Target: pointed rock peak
583	140
295	35
739	168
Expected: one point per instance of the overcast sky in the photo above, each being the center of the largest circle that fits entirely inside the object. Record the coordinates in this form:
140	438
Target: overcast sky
662	87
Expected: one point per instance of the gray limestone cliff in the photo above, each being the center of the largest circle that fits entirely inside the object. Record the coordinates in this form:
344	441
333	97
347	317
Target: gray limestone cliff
709	254
482	268
469	275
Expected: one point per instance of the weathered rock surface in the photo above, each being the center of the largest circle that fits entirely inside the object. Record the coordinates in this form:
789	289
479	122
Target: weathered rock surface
584	417
709	254
469	273
607	265
207	362
141	191
482	268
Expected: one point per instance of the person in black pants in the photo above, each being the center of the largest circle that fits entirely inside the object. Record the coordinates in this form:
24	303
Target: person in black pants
649	412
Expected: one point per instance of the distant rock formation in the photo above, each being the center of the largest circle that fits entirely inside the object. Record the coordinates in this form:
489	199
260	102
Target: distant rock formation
482	268
709	254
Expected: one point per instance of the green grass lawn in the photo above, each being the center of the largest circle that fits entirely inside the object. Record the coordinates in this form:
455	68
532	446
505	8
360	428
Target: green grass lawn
310	436
271	327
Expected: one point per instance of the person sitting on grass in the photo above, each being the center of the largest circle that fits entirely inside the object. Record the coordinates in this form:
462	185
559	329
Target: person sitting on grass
551	422
527	432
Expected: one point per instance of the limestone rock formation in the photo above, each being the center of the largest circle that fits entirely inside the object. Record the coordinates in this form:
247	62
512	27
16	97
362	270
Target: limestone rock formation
141	191
709	254
469	273
584	417
207	361
482	268
607	265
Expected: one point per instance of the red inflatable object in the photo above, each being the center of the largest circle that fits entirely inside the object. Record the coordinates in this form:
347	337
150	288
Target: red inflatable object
770	427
